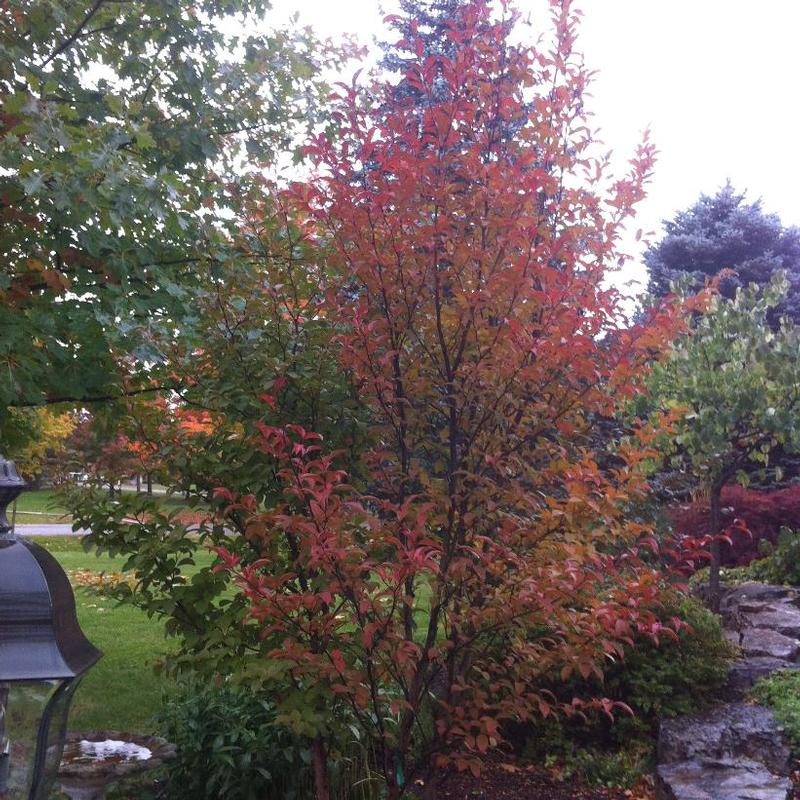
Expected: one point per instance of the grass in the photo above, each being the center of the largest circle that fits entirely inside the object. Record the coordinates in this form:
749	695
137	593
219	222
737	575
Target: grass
39	500
43	506
122	692
781	692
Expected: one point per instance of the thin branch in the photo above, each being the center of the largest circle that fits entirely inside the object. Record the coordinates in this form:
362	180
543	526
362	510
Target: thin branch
67	43
49	401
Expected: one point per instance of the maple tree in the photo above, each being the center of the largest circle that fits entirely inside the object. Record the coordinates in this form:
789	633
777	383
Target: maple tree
470	229
33	436
99	452
122	147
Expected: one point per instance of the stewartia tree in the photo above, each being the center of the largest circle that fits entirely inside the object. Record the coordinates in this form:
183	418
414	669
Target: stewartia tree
471	234
737	384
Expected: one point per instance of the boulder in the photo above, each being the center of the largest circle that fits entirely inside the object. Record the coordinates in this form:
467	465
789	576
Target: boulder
744	594
721	779
781	617
736	751
731	731
750	598
766	642
745	672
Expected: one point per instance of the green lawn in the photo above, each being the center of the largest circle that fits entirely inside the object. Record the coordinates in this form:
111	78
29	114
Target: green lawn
39	500
122	691
43	506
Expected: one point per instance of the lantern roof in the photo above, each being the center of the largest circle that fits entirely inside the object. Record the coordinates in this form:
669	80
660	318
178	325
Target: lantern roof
40	638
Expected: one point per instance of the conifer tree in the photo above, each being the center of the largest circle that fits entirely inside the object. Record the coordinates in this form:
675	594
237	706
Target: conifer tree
725	232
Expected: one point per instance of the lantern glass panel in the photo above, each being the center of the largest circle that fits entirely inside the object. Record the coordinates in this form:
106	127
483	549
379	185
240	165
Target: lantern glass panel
53	733
33	719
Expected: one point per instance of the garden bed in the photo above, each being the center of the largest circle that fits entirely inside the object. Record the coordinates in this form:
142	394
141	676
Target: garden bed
499	781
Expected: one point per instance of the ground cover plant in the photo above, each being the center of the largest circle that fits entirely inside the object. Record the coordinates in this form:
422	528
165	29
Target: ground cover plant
781	692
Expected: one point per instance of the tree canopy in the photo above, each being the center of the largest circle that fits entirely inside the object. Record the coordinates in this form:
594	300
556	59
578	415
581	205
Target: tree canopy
125	130
724	232
736	383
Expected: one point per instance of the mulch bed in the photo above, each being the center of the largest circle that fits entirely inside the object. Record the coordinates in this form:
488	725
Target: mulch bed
497	782
530	783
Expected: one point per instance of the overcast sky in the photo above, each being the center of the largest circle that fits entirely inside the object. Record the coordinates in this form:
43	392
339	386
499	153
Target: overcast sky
715	80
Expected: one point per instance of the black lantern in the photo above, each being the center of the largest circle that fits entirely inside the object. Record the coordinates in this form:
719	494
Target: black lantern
43	655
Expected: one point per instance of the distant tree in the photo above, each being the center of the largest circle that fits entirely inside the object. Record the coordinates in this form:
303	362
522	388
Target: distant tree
737	384
723	232
100	453
34	437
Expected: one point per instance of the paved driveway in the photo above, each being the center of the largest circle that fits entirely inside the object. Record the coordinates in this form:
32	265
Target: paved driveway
48	529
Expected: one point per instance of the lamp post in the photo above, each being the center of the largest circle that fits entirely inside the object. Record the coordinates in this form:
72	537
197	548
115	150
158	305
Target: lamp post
43	655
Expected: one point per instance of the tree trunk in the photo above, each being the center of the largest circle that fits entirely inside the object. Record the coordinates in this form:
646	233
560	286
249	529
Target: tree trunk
394	771
716	529
149	483
319	762
138	483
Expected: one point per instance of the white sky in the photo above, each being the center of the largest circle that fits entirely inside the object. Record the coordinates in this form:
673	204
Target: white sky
715	80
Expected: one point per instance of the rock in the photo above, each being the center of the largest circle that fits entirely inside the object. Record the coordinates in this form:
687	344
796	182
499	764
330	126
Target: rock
749	598
745	672
746	593
720	779
766	642
734	637
736	751
781	617
731	731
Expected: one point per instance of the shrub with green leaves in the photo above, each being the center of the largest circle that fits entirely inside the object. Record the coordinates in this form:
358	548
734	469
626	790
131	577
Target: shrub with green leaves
674	677
232	746
782	562
229	748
